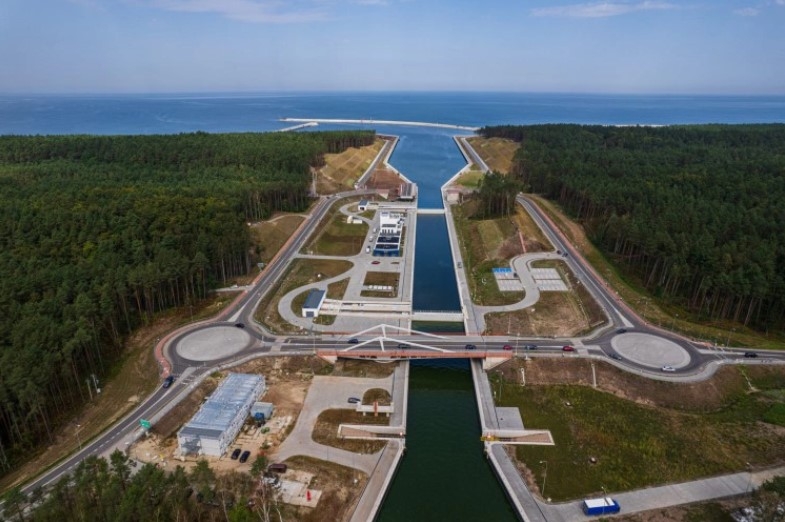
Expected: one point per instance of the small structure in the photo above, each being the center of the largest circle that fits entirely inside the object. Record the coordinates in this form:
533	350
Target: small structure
218	421
363	205
262	411
313	303
408	192
391	223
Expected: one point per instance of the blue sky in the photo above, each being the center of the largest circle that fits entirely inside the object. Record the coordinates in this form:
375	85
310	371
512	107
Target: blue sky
617	46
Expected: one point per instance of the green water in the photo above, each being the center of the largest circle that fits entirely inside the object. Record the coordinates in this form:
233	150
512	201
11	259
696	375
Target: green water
444	474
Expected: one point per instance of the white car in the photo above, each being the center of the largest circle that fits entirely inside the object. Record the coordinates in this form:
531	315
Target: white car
668	369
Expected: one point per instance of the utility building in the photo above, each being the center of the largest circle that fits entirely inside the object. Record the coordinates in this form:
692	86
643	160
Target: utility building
313	303
218	421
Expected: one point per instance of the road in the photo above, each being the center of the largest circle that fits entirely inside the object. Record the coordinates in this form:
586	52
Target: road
599	344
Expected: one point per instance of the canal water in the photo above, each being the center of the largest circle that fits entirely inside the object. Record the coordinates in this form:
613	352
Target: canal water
444	474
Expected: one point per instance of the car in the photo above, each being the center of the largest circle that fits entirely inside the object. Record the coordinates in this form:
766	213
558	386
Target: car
568	348
750	355
375	262
240	325
616	356
668	369
168	382
470	347
354	340
403	346
244	456
236	454
507	347
353	400
621	330
529	346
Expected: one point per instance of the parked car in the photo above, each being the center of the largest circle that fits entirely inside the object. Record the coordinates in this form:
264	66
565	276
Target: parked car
750	355
240	325
168	382
375	262
668	369
470	347
568	348
529	346
507	347
277	468
616	356
236	453
354	340
244	456
353	400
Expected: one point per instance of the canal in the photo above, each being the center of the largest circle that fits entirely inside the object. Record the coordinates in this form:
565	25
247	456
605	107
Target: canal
444	474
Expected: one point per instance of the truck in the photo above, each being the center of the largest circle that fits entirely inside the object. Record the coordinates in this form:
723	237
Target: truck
600	506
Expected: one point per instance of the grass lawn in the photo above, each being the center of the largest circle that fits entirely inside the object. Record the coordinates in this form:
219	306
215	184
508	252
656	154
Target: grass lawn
301	272
357	368
326	430
334	236
470	179
497	153
654	311
269	236
342	170
643	442
381	279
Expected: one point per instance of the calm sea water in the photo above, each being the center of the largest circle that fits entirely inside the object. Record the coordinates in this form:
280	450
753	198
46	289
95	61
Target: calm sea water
153	114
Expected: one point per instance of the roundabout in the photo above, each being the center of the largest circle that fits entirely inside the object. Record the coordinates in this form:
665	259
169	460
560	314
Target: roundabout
209	344
650	350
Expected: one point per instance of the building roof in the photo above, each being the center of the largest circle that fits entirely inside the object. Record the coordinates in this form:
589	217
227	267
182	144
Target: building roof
314	299
220	410
363	202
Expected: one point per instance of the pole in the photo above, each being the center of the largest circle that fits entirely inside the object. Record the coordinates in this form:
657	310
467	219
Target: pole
544	476
89	390
78	438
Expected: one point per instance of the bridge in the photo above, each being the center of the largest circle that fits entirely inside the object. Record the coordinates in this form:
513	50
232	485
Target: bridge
437	315
491	358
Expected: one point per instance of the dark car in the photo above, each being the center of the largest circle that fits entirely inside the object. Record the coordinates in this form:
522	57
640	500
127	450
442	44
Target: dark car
353	400
354	340
750	355
403	346
168	381
240	325
616	356
529	346
621	330
507	347
244	456
470	347
568	348
236	453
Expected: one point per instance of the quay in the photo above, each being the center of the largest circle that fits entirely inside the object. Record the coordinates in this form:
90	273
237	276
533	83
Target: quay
385	122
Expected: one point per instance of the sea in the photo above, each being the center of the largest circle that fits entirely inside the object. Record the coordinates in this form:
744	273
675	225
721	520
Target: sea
176	113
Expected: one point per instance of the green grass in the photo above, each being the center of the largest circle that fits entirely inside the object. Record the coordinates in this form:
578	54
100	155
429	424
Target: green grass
470	179
339	238
637	445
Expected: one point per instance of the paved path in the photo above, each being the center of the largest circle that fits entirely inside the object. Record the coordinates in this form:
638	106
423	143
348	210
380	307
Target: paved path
327	392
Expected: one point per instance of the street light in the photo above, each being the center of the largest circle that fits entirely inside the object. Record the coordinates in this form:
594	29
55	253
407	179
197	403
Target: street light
544	476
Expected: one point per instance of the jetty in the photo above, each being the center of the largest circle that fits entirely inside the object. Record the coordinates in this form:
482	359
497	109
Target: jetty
383	122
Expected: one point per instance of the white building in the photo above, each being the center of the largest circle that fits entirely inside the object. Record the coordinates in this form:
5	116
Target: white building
391	223
313	303
218	421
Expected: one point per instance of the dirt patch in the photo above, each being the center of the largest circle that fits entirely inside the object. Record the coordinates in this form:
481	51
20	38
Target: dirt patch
704	396
325	430
378	395
385	179
354	368
341	489
342	170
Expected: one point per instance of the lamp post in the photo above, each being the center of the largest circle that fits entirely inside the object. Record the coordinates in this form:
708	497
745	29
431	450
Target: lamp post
727	341
544	476
78	438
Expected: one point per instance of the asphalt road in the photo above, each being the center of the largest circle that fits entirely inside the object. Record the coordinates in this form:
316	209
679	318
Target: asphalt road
242	311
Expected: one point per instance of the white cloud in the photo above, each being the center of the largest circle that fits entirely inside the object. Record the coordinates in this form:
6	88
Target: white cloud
747	11
258	11
603	9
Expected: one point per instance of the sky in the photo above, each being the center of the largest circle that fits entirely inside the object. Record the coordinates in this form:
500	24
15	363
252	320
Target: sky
617	46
